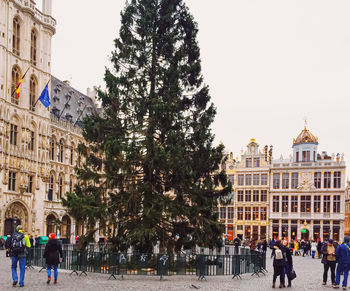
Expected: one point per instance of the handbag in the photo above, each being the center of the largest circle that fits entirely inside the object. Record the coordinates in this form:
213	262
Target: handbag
292	275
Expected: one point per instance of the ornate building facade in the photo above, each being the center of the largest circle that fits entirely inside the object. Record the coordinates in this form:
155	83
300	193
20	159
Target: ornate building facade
37	145
247	216
307	193
302	197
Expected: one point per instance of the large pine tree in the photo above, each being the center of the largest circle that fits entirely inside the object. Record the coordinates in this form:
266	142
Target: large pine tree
149	170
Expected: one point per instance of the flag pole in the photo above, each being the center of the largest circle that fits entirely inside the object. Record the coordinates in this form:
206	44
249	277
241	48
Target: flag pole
81	113
21	79
39	96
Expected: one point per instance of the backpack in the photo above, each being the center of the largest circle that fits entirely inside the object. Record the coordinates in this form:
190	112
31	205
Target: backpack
18	245
278	254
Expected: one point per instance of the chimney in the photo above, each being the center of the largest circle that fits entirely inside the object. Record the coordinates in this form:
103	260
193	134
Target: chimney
47	7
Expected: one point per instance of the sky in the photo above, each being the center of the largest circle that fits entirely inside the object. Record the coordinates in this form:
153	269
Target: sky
269	64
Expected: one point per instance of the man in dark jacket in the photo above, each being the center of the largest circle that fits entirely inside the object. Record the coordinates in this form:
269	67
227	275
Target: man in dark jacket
319	247
342	254
53	255
237	243
264	246
329	260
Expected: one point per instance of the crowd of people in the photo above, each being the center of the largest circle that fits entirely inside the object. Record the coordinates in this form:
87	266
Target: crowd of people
17	246
334	257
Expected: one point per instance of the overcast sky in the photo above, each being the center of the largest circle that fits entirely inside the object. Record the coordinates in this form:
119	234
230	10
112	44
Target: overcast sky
268	64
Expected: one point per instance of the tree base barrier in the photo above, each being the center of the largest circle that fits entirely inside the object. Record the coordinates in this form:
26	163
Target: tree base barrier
116	265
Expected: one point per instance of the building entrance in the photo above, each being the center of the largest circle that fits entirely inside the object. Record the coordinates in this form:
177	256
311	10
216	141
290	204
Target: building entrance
305	234
10	225
15	214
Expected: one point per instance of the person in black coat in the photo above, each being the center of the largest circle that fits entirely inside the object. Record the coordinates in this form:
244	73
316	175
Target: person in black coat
53	255
279	263
288	267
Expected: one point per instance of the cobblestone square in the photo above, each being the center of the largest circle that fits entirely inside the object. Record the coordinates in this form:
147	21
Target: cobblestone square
309	277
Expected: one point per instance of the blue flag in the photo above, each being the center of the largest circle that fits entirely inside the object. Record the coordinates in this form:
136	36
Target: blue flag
45	97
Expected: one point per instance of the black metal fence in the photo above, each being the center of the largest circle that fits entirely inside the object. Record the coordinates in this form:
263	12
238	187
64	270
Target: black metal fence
120	264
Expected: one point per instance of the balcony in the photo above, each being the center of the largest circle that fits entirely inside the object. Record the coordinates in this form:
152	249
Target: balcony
43	18
322	163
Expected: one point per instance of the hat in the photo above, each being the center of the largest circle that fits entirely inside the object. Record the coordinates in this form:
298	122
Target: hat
52	236
19	227
330	241
346	239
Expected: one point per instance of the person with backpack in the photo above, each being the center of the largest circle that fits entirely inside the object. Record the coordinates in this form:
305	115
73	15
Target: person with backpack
18	252
342	254
53	255
279	261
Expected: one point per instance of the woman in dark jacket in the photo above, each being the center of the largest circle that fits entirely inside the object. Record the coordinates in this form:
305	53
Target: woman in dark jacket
278	263
288	267
53	255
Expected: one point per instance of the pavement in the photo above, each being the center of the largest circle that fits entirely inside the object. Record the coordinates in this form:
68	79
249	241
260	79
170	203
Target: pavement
309	277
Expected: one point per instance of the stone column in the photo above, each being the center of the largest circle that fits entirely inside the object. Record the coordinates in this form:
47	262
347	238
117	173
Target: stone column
331	227
311	232
321	230
341	231
289	230
279	229
270	233
298	230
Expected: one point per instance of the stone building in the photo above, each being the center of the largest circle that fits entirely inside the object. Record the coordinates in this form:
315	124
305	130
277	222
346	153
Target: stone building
247	216
37	145
307	193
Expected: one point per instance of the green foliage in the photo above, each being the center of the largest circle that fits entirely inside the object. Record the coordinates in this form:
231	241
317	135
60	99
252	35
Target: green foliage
150	172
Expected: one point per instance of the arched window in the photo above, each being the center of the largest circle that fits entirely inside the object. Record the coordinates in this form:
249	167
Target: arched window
71	157
16	36
32	92
66	227
71	184
16	76
51	226
60	151
60	186
52	149
33	47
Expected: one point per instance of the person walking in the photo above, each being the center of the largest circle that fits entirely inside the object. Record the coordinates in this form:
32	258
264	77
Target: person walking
296	248
313	249
342	254
319	247
264	246
19	243
278	263
53	255
328	261
7	245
